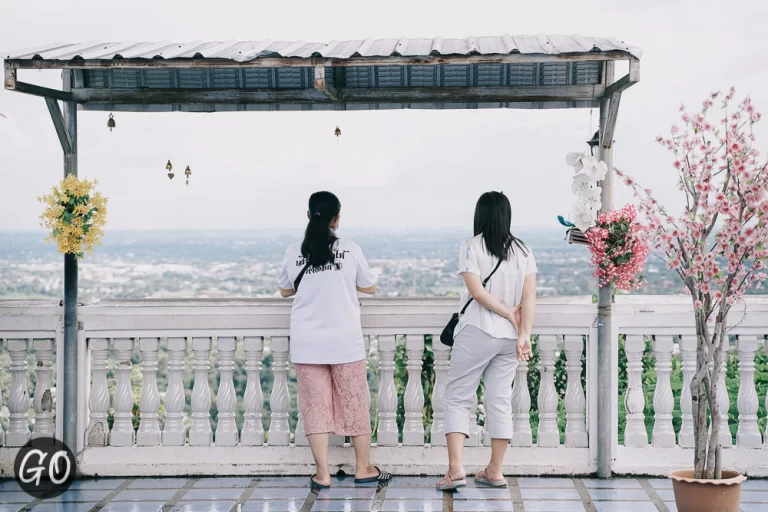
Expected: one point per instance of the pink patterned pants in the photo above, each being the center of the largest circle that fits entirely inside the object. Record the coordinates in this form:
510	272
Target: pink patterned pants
334	398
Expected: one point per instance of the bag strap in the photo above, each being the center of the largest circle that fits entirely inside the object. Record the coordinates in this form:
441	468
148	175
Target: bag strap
484	283
298	278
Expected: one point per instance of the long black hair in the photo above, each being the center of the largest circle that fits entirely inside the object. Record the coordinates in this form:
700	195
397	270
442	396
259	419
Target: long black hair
318	242
493	217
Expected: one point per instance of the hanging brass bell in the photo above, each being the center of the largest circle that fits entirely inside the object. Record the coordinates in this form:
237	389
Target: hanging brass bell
169	166
337	131
188	172
111	122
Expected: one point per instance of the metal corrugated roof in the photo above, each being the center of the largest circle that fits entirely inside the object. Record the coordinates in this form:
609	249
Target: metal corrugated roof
243	51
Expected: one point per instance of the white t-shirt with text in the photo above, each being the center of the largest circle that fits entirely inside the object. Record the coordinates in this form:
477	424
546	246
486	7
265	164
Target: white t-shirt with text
506	285
325	319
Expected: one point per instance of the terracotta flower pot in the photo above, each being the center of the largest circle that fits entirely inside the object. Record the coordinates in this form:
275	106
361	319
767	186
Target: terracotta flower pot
700	495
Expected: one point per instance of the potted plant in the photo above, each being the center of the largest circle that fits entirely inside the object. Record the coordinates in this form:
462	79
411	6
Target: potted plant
717	245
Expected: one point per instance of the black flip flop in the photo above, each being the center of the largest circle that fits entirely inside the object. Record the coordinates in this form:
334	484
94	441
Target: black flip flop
314	486
383	476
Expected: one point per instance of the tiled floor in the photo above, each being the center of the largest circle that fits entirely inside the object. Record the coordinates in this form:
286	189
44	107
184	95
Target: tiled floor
403	494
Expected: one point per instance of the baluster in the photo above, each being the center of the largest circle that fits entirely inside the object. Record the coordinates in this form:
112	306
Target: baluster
634	399
226	399
2	433
367	341
765	403
387	432
253	400
486	434
521	407
174	432
474	432
663	402
548	433
280	400
748	434
441	365
299	437
149	401
97	433
726	440
43	400
575	402
122	428
688	355
413	428
200	434
18	397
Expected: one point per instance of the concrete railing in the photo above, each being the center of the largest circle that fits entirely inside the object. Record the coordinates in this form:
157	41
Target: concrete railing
128	426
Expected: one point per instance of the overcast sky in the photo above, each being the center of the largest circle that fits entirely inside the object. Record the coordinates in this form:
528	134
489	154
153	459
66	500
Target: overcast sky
396	169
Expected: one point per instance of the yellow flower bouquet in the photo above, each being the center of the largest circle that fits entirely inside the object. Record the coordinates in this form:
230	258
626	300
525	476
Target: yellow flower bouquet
75	214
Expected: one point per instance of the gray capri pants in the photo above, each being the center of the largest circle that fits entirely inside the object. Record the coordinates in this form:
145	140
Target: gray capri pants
477	354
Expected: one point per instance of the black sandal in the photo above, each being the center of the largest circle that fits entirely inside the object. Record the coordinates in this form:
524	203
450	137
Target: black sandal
383	476
315	486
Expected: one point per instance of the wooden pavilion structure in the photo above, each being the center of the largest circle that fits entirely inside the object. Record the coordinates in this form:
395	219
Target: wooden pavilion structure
529	72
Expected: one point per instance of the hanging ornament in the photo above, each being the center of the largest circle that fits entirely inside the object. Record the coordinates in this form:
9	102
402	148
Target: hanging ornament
169	166
337	132
188	172
111	122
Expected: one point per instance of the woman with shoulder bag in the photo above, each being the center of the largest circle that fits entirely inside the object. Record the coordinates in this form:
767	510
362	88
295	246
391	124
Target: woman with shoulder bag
492	335
324	273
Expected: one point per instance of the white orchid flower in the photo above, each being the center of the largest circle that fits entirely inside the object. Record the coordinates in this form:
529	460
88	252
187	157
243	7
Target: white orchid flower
594	168
582	184
592	198
574	160
582	216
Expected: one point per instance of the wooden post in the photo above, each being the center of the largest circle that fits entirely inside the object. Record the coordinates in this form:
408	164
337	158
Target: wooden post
69	380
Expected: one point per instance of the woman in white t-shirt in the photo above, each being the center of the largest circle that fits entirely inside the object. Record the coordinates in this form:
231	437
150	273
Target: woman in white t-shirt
492	335
324	273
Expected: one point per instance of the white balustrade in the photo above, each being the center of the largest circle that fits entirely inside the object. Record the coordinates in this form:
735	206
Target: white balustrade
122	428
149	400
43	399
97	433
575	402
688	356
441	354
299	437
474	432
387	434
724	401
413	428
226	399
748	434
548	434
253	400
521	407
486	432
174	432
200	434
634	399
280	400
663	435
2	433
18	397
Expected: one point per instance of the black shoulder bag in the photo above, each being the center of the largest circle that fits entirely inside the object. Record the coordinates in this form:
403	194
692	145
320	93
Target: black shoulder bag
446	338
298	278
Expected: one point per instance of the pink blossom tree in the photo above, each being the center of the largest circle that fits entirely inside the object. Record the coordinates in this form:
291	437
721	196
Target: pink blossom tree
717	245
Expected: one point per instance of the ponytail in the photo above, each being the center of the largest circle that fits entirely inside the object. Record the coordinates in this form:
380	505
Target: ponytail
318	242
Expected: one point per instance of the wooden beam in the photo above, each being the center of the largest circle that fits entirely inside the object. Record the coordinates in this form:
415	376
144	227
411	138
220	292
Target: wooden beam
610	120
58	123
36	90
346	95
269	62
10	77
626	81
324	85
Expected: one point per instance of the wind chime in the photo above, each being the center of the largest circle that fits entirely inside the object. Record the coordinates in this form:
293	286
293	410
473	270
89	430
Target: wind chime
111	122
169	168
337	132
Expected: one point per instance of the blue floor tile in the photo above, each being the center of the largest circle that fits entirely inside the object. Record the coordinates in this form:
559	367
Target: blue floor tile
412	506
671	505
545	482
483	506
625	506
660	483
486	493
15	497
347	493
158	483
754	496
203	506
145	506
424	494
49	506
618	494
283	481
666	494
77	495
618	483
212	494
755	485
224	482
414	481
94	485
145	495
272	506
549	494
11	507
9	485
288	493
752	507
553	506
342	506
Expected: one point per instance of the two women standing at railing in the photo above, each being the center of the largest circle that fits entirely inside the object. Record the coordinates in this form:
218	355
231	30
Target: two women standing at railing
491	337
324	273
